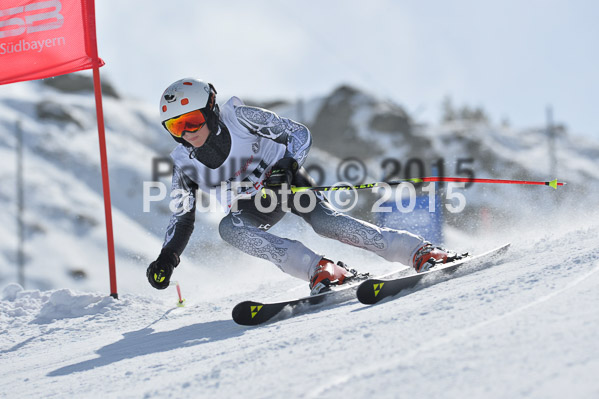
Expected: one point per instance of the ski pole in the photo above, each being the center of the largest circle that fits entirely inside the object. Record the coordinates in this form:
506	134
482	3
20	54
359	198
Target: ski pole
552	183
181	300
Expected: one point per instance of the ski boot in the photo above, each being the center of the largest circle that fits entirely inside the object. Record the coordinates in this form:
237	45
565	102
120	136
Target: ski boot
428	256
327	273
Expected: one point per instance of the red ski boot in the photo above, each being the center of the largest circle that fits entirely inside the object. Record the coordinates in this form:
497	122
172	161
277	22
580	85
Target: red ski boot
327	273
428	256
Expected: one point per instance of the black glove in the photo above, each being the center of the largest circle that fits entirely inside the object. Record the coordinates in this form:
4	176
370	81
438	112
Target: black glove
282	173
159	272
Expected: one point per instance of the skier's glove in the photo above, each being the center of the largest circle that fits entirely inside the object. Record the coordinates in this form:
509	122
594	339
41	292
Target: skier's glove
282	173
159	272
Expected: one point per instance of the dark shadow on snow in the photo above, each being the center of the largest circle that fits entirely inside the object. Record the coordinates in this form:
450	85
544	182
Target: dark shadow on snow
28	340
146	342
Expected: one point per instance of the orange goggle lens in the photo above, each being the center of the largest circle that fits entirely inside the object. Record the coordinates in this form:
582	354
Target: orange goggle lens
189	122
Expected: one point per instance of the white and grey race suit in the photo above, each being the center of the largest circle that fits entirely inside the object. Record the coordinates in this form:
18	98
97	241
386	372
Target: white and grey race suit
247	145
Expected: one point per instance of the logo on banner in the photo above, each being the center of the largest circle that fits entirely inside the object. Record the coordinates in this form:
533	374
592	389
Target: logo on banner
34	17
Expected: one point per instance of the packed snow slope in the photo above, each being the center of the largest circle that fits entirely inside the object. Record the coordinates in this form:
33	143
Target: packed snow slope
527	327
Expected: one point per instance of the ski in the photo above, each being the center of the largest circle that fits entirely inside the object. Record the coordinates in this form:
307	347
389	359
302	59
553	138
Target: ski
251	313
374	290
368	290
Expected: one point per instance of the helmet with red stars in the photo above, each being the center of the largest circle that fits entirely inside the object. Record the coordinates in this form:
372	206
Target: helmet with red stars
187	95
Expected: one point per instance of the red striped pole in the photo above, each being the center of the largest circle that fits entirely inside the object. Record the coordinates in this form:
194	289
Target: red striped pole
92	47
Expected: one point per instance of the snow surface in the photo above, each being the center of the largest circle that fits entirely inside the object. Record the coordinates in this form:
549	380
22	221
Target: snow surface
527	327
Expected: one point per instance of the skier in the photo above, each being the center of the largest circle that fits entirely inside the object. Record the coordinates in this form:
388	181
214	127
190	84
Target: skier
242	144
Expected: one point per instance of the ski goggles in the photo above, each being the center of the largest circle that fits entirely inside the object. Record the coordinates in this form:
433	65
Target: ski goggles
189	122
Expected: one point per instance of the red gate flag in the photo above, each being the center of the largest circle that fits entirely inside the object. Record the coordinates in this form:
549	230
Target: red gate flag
44	38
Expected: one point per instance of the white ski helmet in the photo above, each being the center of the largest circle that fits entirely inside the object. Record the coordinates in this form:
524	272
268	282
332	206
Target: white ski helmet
188	95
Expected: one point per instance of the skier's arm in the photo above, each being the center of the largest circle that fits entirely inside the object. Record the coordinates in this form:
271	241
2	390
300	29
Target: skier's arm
294	135
178	232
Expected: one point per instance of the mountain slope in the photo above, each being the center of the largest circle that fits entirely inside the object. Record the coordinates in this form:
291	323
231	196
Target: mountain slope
526	327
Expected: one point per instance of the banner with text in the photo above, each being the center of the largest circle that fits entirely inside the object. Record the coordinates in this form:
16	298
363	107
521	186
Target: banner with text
44	38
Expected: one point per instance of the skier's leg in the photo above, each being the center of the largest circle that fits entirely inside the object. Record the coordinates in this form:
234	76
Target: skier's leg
246	230
393	245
